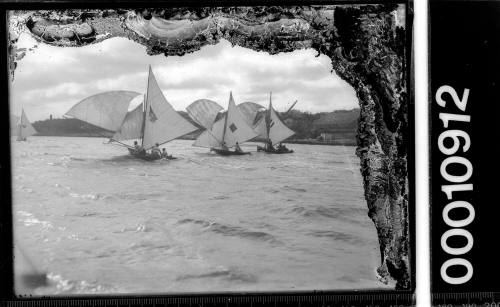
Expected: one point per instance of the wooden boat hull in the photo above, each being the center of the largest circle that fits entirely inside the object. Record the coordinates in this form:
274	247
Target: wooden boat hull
223	152
260	148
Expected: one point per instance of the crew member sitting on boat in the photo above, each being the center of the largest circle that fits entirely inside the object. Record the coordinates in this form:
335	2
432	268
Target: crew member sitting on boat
155	151
164	154
269	145
224	146
138	148
237	148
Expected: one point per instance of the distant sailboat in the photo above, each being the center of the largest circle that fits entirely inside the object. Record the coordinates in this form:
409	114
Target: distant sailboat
153	122
229	131
24	128
273	130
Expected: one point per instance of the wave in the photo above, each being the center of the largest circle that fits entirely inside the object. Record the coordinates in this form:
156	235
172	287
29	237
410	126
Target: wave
337	236
287	187
64	286
29	220
233	275
319	211
328	212
236	231
84	214
137	228
86	196
137	196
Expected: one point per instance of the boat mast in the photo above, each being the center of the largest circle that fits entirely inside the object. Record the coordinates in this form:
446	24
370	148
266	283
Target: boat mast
145	109
268	117
225	119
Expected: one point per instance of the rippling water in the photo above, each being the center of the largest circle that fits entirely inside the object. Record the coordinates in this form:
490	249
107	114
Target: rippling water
97	221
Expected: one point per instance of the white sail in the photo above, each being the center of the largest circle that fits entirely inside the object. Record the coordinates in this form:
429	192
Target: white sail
105	110
231	129
278	131
161	122
131	127
236	129
261	128
204	112
24	128
207	139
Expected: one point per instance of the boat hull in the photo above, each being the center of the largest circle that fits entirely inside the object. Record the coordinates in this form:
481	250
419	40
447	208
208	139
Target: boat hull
148	157
260	148
224	152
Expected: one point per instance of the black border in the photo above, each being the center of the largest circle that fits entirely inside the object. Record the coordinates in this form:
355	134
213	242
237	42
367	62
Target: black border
467	72
364	297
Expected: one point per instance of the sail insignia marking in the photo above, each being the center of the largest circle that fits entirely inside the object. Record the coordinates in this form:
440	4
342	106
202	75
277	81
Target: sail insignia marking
152	115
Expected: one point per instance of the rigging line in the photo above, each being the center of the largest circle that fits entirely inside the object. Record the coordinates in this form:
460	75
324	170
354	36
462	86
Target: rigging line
104	136
115	142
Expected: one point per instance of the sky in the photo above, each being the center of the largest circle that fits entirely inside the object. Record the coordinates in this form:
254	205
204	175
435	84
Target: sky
50	80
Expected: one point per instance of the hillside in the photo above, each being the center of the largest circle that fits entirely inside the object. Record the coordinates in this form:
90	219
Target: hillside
341	124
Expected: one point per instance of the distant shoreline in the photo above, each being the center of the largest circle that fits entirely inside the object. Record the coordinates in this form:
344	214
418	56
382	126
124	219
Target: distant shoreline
340	142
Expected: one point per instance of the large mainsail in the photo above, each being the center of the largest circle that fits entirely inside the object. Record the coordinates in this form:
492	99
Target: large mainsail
106	110
270	127
161	122
278	131
231	129
204	112
24	128
131	127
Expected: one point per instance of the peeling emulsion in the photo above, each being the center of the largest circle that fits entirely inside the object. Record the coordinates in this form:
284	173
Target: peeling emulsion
366	44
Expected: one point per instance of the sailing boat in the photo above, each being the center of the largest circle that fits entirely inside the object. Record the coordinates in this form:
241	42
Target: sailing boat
160	122
227	132
273	130
153	122
24	128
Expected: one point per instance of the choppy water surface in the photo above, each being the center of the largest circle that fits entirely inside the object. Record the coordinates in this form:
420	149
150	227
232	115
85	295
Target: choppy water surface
97	221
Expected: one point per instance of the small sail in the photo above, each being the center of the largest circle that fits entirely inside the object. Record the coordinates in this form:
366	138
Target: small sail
204	112
278	131
25	128
105	110
161	122
230	129
131	127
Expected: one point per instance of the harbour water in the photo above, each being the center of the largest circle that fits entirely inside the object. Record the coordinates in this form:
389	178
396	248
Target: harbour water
98	221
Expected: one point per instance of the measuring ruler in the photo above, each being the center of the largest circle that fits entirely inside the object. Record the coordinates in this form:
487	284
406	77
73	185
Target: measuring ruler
466	299
367	300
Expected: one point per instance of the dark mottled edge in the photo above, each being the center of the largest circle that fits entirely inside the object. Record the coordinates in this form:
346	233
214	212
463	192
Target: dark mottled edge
364	297
6	233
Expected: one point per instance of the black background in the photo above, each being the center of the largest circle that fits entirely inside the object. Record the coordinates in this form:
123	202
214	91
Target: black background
464	52
306	298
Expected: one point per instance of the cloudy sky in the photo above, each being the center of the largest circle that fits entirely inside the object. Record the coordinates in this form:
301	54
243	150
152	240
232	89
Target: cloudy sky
49	80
